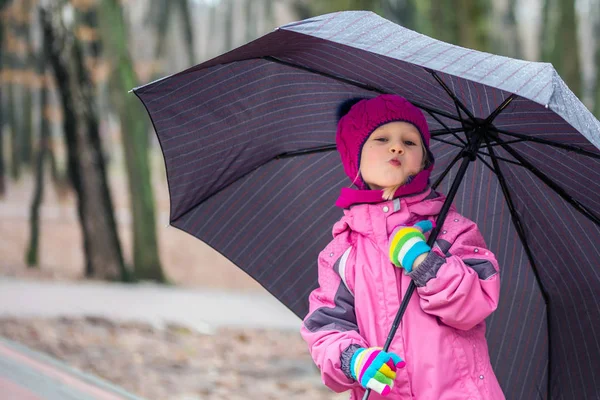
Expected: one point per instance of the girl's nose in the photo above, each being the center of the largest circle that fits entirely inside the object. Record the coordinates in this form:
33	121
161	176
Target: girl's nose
396	149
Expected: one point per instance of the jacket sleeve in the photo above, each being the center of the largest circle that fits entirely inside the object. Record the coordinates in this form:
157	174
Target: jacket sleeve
458	281
330	328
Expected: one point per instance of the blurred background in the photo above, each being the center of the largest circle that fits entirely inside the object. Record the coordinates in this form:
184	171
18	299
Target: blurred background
83	192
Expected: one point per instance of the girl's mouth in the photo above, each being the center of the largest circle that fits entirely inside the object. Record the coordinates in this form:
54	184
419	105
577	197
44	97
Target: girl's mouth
395	162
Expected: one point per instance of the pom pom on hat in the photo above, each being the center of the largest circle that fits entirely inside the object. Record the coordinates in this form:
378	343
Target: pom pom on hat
346	105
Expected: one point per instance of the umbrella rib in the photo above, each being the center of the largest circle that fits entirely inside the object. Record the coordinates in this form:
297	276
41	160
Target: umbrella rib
499	109
501	158
459	139
450	143
457	102
458	156
445	131
443	175
515	217
485	162
563	146
327	75
310	150
521	232
448	129
551	184
358	84
509	142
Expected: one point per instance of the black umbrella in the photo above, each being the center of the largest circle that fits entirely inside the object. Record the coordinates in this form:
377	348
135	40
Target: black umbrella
248	141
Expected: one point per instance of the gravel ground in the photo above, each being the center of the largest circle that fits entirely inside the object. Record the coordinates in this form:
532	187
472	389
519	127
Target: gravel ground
173	363
176	363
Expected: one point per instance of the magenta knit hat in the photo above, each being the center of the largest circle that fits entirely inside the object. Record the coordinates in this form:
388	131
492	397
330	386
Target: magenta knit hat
355	127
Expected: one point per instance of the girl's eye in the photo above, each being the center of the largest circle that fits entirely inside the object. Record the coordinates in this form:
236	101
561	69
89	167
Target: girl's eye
381	139
410	143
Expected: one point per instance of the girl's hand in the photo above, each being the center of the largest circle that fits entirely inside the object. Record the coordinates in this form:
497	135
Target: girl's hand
375	369
419	260
407	243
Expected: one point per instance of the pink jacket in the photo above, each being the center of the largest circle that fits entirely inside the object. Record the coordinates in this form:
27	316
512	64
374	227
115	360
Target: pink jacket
441	336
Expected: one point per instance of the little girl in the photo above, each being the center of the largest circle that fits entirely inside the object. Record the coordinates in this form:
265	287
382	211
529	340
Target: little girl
378	247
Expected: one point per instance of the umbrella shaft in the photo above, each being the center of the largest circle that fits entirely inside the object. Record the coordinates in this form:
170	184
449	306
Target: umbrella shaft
432	237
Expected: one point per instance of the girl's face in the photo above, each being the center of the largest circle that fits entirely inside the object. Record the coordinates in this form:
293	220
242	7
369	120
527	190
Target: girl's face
391	154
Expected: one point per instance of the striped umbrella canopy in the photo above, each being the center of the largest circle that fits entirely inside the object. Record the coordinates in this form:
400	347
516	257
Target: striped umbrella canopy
249	145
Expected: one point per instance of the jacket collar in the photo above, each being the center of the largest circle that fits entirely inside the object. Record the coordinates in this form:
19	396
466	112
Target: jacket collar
418	187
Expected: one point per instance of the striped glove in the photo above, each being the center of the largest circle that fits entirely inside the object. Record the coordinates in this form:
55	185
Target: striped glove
407	243
375	369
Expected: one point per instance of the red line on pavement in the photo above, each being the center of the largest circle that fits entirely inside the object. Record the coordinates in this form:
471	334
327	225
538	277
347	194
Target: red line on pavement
11	390
57	374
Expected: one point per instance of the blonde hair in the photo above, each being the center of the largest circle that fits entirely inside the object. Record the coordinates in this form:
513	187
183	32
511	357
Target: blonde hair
388	192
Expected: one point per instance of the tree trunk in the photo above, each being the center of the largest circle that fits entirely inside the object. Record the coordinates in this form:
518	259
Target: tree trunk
27	86
162	23
566	47
103	254
228	25
251	27
597	35
546	32
27	122
87	33
134	133
188	31
21	88
38	195
473	24
214	46
2	97
13	123
444	21
403	12
2	172
516	48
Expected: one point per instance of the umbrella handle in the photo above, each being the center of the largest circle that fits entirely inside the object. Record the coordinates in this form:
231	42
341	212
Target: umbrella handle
432	237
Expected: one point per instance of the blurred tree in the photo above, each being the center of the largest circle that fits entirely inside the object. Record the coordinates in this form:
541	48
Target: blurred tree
134	134
102	248
444	21
549	23
251	17
597	60
403	12
269	9
42	152
566	47
310	8
31	254
28	85
515	48
560	44
4	82
506	39
213	27
22	85
161	13
86	28
188	31
11	61
228	25
462	22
